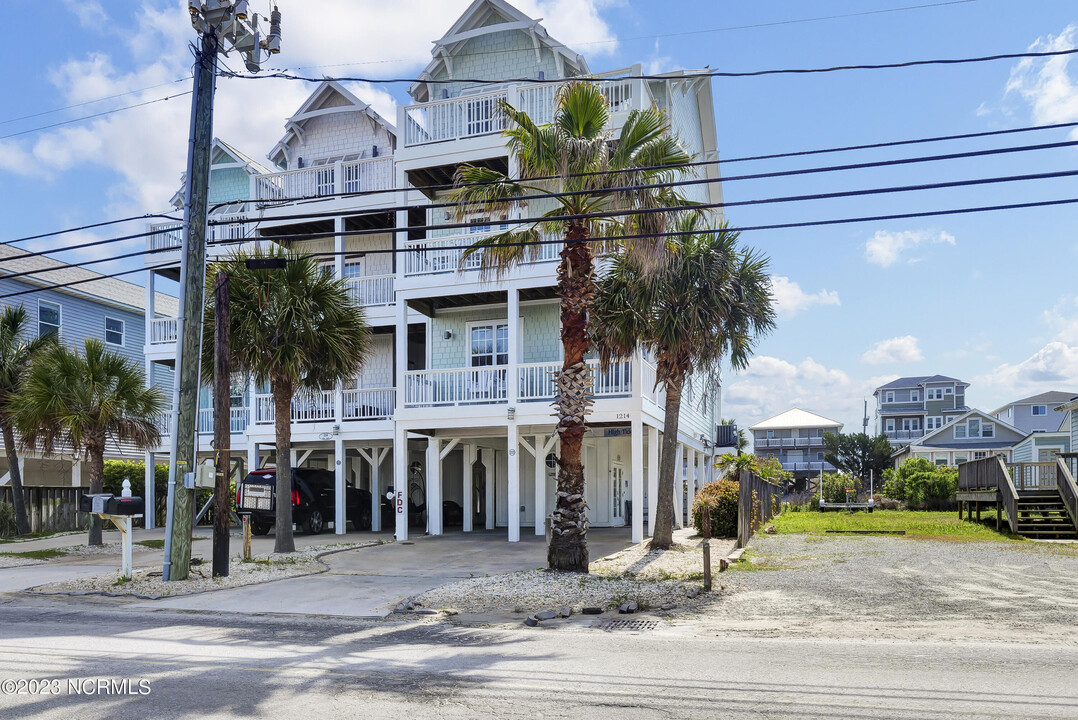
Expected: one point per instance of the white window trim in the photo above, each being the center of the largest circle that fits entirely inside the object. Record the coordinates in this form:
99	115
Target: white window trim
60	312
889	425
123	331
1034	413
889	396
915	396
497	321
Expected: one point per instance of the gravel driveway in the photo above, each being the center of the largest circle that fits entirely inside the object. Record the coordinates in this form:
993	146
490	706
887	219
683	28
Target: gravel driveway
812	586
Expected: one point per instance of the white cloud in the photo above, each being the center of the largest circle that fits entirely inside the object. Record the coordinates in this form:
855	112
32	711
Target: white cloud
1053	367
771	385
885	247
906	348
147	146
1045	84
790	299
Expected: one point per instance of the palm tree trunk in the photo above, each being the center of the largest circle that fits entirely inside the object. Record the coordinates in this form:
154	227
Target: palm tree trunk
22	523
663	536
283	541
96	455
568	550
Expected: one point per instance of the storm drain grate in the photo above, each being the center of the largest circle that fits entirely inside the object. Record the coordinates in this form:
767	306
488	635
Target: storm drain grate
637	625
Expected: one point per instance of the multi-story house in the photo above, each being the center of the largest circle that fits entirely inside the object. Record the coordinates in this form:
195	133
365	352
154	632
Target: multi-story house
1037	413
94	306
910	407
453	406
972	435
795	437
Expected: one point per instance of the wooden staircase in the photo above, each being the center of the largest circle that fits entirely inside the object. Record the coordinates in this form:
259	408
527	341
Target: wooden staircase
1042	514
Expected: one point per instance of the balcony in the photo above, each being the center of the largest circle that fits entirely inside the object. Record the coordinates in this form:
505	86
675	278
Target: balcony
238	419
164	331
354	176
488	385
904	434
321	406
478	114
169	236
812	466
443	255
372	290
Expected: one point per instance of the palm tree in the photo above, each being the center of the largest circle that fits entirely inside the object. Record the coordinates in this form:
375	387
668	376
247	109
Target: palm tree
576	154
293	328
80	401
17	351
711	300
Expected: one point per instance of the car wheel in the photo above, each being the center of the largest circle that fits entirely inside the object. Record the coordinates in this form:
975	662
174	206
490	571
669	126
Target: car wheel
315	522
260	527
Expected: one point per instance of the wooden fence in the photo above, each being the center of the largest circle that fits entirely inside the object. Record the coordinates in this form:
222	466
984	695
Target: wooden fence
758	502
51	508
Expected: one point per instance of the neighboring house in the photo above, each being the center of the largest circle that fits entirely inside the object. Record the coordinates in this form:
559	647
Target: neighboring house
454	405
1042	446
108	309
910	407
795	437
973	435
1037	413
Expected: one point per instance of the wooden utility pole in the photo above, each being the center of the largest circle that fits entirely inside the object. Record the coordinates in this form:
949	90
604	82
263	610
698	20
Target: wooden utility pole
222	431
192	281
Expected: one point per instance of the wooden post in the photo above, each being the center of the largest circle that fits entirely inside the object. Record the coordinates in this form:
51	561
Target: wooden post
705	520
246	518
222	431
978	511
999	513
959	509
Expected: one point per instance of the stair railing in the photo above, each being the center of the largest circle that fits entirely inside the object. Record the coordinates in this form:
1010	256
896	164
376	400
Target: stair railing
1007	493
1068	490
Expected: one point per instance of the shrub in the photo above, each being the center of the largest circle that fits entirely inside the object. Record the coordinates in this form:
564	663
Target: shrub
7	520
880	502
922	485
722	497
835	487
135	471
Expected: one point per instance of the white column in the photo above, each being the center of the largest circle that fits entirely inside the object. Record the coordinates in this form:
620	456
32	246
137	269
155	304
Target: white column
76	473
252	456
340	518
293	456
151	310
691	471
512	383
376	488
653	477
513	461
400	481
400	336
149	497
488	487
468	450
679	491
338	272
540	485
434	486
637	465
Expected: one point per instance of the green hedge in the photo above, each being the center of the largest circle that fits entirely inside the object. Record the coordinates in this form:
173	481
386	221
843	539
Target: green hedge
722	496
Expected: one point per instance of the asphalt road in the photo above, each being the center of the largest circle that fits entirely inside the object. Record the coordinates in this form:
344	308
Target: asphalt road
295	667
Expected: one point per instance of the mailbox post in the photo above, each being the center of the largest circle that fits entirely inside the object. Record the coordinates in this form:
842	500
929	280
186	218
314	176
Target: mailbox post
120	511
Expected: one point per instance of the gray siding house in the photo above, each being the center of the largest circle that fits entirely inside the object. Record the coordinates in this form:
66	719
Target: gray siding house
973	435
795	437
108	309
1037	413
910	407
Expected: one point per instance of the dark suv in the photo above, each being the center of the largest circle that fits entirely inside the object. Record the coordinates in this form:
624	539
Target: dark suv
313	496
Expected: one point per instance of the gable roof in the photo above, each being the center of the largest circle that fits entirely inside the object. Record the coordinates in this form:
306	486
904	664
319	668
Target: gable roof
328	98
1052	397
974	411
112	291
795	418
918	381
485	17
220	149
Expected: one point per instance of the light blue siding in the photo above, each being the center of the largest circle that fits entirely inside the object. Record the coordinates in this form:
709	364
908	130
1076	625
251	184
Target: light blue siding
229	185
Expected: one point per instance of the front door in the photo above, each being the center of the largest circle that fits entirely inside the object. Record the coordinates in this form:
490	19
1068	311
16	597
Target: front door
619	492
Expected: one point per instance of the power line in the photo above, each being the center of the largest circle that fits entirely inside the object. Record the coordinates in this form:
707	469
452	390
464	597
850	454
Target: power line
683	76
747	228
695	163
91	226
753	26
92	102
95	115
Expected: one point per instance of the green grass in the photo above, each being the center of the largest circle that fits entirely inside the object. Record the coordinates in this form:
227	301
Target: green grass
916	524
158	544
38	554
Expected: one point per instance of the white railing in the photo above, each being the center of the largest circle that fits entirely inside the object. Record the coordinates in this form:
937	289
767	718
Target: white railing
904	434
814	466
537	379
463	386
164	330
237	421
443	255
353	176
453	119
372	290
166	235
164	423
226	227
538	102
368	404
316	406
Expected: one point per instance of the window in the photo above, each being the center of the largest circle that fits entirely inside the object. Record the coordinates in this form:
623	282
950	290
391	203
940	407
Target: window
770	434
114	331
960	431
973	428
489	344
934	394
948	391
915	396
353	269
48	318
959	458
1040	409
889	396
934	422
980	455
890	425
941	461
819	456
988	430
911	424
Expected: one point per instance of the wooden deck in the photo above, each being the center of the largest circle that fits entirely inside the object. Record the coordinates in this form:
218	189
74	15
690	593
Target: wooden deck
1040	498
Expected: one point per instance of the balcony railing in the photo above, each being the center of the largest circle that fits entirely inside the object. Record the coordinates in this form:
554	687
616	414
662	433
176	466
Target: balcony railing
464	386
164	330
904	434
353	176
368	404
811	466
226	227
372	290
537	380
316	406
238	419
443	255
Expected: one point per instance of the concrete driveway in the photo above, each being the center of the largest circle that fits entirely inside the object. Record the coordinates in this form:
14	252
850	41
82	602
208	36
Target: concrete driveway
369	582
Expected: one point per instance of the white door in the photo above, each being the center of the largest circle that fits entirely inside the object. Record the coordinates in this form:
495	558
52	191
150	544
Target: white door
619	491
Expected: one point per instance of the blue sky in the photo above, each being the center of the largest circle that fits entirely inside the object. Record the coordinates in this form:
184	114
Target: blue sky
990	298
